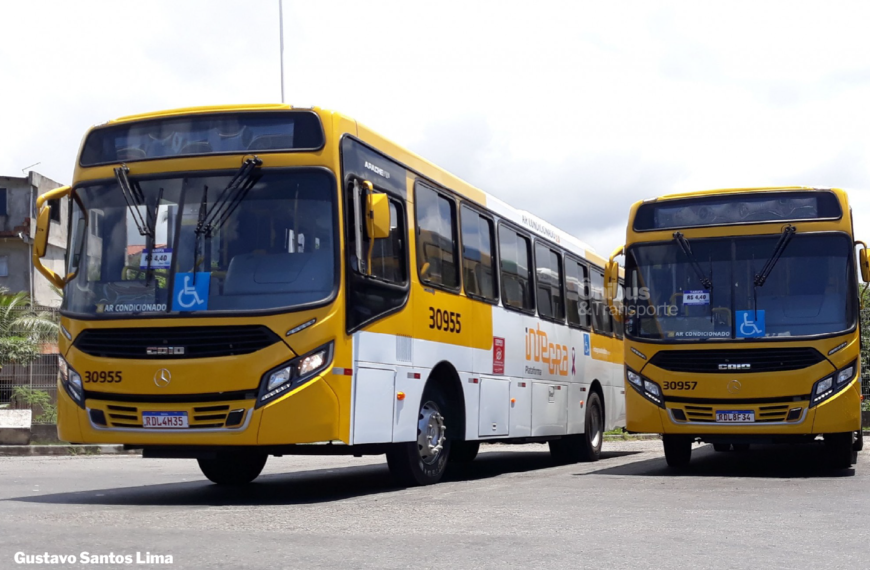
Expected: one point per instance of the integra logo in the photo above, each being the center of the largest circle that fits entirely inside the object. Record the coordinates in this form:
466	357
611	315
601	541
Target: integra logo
735	366
164	351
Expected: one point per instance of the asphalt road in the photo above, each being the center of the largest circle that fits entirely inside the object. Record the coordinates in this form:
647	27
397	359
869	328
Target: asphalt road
769	508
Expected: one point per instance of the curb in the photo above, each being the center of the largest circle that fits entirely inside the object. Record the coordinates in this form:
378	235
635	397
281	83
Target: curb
64	450
632	437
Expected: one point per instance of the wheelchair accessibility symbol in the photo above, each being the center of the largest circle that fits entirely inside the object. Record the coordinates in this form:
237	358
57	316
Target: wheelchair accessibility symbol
191	295
750	326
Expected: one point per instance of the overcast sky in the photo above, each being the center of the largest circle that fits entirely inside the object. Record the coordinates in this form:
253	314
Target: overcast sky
571	110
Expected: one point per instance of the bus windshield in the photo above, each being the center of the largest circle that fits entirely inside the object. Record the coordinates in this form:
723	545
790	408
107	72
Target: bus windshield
810	289
140	252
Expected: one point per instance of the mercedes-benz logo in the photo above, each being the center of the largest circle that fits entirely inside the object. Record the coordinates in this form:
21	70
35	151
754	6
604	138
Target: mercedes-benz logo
734	386
162	378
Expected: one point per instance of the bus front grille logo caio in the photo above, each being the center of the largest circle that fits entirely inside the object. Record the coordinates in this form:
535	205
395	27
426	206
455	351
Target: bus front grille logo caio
162	378
164	350
735	366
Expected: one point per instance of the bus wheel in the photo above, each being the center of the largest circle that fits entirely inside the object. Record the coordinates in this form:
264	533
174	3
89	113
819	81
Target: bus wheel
678	450
859	440
463	451
233	468
423	462
721	447
585	446
840	450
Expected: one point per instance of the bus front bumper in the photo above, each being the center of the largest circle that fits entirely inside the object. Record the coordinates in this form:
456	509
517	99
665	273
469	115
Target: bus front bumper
841	413
308	414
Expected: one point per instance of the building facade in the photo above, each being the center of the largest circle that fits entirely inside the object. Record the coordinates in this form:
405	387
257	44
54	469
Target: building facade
17	229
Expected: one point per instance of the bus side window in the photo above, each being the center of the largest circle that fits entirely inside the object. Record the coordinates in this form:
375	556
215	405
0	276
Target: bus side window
548	267
601	322
436	238
477	260
576	286
516	272
388	254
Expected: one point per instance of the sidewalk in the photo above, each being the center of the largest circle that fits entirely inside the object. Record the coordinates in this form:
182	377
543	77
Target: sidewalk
63	450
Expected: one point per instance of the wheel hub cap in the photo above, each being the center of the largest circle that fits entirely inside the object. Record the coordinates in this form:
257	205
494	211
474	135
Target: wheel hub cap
431	433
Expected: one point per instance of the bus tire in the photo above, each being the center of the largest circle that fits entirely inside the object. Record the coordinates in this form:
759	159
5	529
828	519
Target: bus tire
721	447
233	468
463	451
678	450
585	446
424	461
839	448
859	440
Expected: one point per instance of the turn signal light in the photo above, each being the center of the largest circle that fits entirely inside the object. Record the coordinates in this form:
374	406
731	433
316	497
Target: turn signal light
400	395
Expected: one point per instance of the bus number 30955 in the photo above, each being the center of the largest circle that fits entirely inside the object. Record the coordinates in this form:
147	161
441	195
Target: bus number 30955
447	321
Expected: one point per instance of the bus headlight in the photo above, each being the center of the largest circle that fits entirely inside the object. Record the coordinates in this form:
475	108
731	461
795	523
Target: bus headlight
830	385
71	381
294	373
652	388
645	387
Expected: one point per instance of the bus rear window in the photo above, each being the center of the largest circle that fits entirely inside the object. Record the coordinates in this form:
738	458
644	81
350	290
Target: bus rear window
737	209
213	133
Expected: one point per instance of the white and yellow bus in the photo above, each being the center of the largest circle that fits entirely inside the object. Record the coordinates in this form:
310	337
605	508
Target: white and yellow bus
265	280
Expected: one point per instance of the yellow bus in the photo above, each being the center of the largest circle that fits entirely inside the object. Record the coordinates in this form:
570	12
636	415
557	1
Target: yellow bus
265	280
741	320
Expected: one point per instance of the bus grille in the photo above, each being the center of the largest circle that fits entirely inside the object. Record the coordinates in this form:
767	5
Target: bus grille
718	361
193	342
200	417
763	414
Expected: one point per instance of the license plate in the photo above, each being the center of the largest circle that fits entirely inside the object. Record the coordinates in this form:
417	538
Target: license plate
164	420
735	416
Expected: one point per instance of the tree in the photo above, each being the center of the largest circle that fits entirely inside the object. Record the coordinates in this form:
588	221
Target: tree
22	328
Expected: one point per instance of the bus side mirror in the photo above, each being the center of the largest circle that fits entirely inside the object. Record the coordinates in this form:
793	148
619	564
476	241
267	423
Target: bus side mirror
40	240
378	216
43	225
611	284
864	262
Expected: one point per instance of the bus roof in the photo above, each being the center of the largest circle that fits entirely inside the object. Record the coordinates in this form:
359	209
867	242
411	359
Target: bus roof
410	159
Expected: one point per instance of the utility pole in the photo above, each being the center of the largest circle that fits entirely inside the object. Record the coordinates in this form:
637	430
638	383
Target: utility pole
281	31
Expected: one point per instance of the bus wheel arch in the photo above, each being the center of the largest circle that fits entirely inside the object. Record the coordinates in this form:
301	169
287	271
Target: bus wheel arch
585	446
597	388
446	378
441	415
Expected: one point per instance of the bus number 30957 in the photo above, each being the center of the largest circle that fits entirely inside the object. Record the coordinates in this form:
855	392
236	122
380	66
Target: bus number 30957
447	321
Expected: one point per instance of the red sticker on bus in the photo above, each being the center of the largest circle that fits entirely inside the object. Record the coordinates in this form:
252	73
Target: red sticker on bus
497	355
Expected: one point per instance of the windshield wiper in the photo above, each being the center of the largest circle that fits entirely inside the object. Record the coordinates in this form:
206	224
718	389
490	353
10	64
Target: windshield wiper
760	278
134	197
687	249
229	198
787	233
706	282
198	232
210	220
146	224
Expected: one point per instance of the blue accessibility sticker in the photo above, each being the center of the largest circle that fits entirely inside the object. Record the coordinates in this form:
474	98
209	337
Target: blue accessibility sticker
586	348
191	294
750	324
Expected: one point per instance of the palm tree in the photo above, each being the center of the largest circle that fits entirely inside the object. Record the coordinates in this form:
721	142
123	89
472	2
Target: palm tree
22	329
